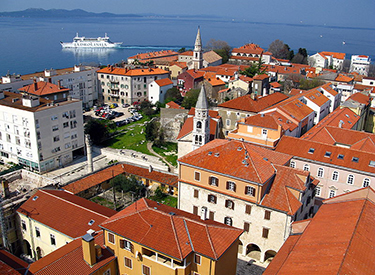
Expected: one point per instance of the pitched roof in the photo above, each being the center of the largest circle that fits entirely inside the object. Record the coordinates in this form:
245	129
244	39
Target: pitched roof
132	72
151	55
250	49
351	158
173	105
341	247
211	113
275	84
164	82
361	98
188	126
195	74
202	102
211	57
344	78
246	103
113	171
10	264
171	231
334	55
65	212
42	88
237	159
261	77
262	120
68	259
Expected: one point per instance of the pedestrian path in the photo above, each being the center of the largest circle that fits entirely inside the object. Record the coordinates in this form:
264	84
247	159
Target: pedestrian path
149	147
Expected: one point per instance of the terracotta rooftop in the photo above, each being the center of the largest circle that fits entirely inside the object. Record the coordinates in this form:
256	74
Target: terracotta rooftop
68	259
113	171
56	72
340	247
182	65
344	117
171	231
151	55
361	98
344	78
211	57
211	113
11	265
187	53
66	213
246	103
187	128
229	157
173	105
275	84
328	88
250	49
195	74
334	55
43	88
262	120
329	154
261	77
164	82
132	72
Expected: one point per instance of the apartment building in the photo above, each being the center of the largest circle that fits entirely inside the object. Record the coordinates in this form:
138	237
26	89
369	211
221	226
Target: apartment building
247	187
250	53
151	238
38	133
52	218
82	82
123	85
360	64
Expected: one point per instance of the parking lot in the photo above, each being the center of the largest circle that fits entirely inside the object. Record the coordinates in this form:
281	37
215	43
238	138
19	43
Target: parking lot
128	114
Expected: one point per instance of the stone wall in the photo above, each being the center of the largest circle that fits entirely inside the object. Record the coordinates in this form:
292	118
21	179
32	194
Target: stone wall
171	121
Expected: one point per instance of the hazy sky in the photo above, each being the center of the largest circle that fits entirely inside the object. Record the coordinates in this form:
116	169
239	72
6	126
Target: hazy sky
359	13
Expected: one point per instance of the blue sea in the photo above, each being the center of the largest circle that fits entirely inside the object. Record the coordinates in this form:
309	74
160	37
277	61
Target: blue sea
29	45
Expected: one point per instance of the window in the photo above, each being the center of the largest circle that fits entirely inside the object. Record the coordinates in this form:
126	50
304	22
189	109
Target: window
214	181
306	167
327	154
66	124
265	232
195	210
196	193
111	238
320	172
55	128
229	204
146	270
366	182
267	215
212	199
248	209
124	244
107	272
228	122
197	259
128	262
23	225
250	191
53	240
332	193
264	132
56	138
228	221
197	176
54	117
350	179
340	156
293	164
212	215
231	186
311	151
246	226
318	191
37	232
335	176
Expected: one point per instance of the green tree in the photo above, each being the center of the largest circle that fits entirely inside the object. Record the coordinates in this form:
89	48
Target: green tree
173	94
127	184
152	130
183	49
222	48
190	99
254	69
307	84
300	57
97	129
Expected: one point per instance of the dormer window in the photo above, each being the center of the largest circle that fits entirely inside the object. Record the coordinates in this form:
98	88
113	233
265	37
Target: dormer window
355	159
340	156
327	154
311	151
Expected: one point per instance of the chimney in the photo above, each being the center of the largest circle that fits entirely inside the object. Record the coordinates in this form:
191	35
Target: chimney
5	188
88	249
59	82
35	85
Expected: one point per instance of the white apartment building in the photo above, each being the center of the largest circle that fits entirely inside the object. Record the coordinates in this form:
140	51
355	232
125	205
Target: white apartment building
158	89
360	64
40	134
123	85
82	82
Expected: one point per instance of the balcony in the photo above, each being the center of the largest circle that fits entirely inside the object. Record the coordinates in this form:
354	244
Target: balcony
159	258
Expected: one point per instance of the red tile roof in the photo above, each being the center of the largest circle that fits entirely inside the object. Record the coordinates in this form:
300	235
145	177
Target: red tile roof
339	239
187	53
10	264
43	88
66	213
246	103
182	65
250	49
275	84
133	72
164	82
300	149
187	128
151	55
361	98
195	74
344	78
174	105
262	120
68	259
229	157
328	88
334	55
171	231
261	77
211	113
113	171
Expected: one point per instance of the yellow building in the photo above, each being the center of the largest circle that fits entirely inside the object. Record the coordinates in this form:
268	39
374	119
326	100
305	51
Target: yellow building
150	238
52	218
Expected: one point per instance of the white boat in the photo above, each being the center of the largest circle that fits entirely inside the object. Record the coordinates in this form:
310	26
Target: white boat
86	42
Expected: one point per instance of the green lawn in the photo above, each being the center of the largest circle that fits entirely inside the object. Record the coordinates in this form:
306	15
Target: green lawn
167	200
166	151
133	138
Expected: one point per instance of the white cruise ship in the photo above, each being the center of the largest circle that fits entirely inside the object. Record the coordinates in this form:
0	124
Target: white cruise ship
85	42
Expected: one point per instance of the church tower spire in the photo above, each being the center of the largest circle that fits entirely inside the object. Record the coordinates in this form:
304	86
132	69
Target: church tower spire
201	121
198	52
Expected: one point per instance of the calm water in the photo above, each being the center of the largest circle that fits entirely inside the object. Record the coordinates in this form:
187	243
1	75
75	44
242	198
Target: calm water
28	45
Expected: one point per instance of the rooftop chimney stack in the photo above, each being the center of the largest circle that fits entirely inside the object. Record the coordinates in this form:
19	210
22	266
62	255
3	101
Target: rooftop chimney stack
88	249
35	85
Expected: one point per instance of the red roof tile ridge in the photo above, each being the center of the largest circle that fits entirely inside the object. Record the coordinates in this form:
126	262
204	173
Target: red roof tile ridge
352	236
364	142
77	205
287	194
210	241
175	236
325	129
252	162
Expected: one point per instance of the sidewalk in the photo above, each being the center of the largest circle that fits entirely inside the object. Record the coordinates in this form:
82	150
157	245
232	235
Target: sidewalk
149	147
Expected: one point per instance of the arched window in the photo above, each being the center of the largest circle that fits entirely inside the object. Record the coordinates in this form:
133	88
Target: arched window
350	179
306	167
250	191
231	186
229	204
320	172
293	164
212	199
335	176
366	182
214	181
199	125
228	221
